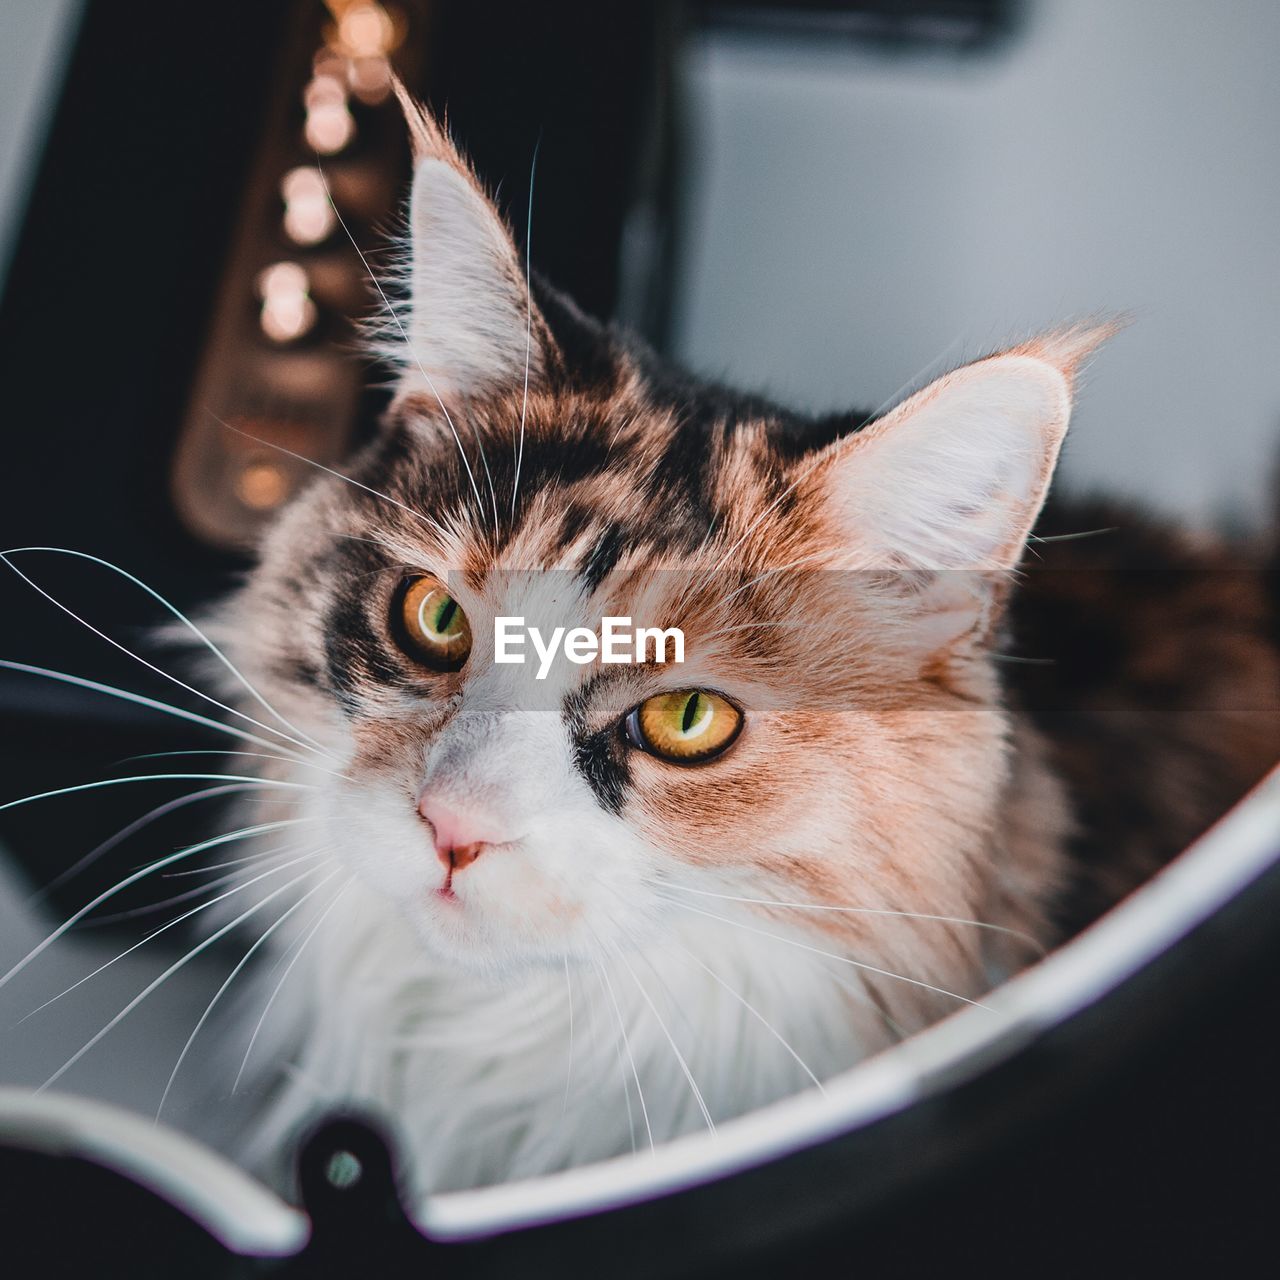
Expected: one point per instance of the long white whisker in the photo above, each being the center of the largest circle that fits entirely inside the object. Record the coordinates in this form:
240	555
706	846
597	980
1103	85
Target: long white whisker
155	777
153	703
831	955
1070	537
915	377
376	542
221	866
568	1075
413	355
626	1042
337	475
231	977
760	577
301	739
223	751
755	524
757	626
817	461
152	907
190	851
863	994
301	946
124	833
528	323
151	666
755	1013
858	911
675	1048
199	949
164	928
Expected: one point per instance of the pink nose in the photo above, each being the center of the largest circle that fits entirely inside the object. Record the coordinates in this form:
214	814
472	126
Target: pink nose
460	836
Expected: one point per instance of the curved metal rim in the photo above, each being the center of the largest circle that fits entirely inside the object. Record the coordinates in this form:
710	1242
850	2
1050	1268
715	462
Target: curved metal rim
1211	872
232	1206
250	1219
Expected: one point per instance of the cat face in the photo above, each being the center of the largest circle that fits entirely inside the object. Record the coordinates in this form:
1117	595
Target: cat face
833	735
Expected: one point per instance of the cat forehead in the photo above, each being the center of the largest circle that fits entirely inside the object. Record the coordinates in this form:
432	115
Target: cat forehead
558	480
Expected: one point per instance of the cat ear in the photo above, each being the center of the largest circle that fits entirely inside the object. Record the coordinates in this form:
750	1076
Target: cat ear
954	477
471	327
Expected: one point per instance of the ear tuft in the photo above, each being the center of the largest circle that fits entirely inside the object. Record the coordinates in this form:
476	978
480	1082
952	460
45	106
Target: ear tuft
1069	348
428	137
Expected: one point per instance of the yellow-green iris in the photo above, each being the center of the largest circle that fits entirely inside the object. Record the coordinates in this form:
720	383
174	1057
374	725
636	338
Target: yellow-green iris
685	727
434	627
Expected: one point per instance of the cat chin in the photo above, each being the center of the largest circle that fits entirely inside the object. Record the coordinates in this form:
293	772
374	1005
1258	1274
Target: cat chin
450	934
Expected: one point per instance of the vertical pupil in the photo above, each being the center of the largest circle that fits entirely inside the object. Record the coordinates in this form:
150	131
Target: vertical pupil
445	615
690	713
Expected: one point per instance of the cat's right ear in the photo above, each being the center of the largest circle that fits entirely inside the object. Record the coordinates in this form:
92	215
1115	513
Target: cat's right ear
472	328
943	491
954	477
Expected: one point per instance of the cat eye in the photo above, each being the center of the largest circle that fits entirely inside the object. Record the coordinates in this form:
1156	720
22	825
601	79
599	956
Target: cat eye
686	727
430	624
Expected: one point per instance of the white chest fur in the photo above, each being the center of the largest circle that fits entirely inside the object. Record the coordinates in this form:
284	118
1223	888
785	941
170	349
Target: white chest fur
485	1080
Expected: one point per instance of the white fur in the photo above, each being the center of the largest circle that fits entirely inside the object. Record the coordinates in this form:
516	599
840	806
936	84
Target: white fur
954	477
479	1077
453	1017
467	321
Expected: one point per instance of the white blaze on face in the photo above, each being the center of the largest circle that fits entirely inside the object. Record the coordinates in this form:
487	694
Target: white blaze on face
557	873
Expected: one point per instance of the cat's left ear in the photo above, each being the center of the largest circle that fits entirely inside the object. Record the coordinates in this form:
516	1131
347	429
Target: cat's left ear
472	327
954	477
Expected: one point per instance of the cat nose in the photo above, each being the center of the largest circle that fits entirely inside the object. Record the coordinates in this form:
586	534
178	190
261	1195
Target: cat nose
460	835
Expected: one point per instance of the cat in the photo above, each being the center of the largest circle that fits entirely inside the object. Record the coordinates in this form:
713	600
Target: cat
911	746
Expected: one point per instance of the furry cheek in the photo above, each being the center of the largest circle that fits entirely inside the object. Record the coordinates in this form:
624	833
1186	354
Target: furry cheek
906	797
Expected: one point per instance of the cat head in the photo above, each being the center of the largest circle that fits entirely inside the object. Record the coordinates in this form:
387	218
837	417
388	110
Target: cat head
834	734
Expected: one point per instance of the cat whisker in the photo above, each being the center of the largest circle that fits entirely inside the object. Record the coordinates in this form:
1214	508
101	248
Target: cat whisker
760	577
230	978
154	704
190	851
125	832
298	949
250	755
248	782
302	740
568	1075
171	924
376	542
98	922
413	355
626	1042
804	474
622	1068
528	324
177	965
329	471
680	1058
755	1013
830	955
220	866
860	911
920	373
753	526
864	995
756	626
1070	537
657	1017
